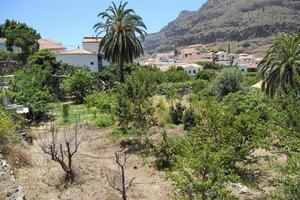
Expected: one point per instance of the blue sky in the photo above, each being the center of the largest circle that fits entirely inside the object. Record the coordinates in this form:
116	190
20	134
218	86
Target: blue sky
67	21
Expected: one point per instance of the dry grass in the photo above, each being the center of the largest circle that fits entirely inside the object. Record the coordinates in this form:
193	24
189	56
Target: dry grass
16	156
94	160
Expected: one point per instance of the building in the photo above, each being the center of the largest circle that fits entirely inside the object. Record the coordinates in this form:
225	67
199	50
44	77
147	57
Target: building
222	58
165	58
91	44
79	57
189	55
51	45
207	57
199	47
192	69
247	63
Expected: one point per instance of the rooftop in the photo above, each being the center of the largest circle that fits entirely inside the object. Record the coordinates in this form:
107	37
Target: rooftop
76	52
196	46
92	39
189	50
50	44
192	65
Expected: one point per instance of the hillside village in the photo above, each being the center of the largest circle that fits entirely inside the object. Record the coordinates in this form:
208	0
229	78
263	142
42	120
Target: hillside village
118	118
186	57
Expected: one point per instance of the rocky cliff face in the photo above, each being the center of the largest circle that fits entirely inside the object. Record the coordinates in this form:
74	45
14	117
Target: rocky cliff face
228	20
9	190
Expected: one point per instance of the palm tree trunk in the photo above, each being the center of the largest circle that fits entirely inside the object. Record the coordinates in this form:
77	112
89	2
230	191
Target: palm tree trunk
122	76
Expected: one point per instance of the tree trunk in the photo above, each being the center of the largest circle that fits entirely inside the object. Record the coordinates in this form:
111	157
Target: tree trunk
123	184
122	76
70	176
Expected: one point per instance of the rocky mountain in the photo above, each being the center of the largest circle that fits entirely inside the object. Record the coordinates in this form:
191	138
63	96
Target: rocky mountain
245	24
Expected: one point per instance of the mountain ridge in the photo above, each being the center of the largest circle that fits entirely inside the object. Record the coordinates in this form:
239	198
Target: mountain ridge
248	24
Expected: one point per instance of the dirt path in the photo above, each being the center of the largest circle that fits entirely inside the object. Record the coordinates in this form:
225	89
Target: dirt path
94	160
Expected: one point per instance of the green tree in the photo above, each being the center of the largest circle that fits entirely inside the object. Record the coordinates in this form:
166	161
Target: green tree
122	28
229	80
134	104
20	35
79	84
30	89
281	65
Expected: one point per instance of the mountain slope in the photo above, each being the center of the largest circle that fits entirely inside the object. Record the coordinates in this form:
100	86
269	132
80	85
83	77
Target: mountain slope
249	23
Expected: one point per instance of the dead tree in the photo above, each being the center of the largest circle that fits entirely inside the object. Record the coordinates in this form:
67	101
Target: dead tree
119	180
63	145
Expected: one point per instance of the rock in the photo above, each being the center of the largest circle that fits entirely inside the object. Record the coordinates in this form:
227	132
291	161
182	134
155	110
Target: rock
12	191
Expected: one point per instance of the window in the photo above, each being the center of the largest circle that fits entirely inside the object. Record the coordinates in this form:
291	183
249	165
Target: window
92	63
194	71
190	71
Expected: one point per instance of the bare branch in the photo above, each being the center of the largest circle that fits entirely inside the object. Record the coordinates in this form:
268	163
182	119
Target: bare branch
62	147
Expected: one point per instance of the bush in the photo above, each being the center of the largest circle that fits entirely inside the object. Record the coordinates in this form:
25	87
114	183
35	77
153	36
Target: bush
175	75
31	88
102	101
176	113
134	103
189	119
66	112
205	75
164	152
251	79
104	120
79	84
210	65
229	80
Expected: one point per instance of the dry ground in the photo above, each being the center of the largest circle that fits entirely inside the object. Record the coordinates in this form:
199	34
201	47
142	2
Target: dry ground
95	159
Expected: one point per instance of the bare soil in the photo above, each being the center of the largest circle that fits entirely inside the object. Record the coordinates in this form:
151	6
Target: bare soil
95	160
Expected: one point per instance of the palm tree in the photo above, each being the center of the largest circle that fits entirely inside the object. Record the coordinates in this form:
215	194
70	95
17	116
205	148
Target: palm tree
281	65
122	28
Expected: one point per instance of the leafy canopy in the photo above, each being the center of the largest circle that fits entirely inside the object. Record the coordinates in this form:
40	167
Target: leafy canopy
281	65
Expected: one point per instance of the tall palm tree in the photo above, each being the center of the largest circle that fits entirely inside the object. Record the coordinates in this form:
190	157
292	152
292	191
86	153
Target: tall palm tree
122	28
281	65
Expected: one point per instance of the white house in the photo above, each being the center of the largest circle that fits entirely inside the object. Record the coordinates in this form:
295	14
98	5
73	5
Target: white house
222	58
79	57
192	69
247	63
162	58
91	44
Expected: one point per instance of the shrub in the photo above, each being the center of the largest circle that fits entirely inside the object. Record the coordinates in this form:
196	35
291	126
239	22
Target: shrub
251	79
175	75
176	113
205	75
211	65
134	103
229	80
79	84
31	88
189	119
66	112
164	152
105	120
102	101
